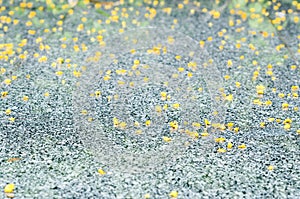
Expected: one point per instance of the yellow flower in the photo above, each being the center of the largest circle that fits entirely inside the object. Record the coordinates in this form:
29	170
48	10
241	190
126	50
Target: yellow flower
174	125
205	134
59	73
7	81
260	89
229	63
176	105
181	69
121	71
178	57
270	168
76	73
173	194
167	139
220	140
287	126
295	88
115	122
123	125
287	121
9	188
242	146
163	95
229	97
221	150
106	77
84	112
97	93
206	122
236	129
196	125
285	106
229	145
148	122
8	111
202	43
147	196
25	98
101	172
158	108
268	103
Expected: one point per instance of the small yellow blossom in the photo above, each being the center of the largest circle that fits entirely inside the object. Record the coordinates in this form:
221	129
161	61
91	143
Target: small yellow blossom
205	134
8	111
84	112
9	188
220	140
177	57
173	194
236	129
59	73
238	84
285	106
196	125
229	63
206	122
25	98
7	81
174	125
221	150
229	97
97	93
4	94
270	168
242	146
163	95
122	125
167	139
176	105
229	145
101	172
148	122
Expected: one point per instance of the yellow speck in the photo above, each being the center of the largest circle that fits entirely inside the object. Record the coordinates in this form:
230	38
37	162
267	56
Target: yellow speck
84	112
204	134
221	150
229	145
7	81
147	196
220	140
148	122
167	139
173	194
9	188
97	93
242	146
270	168
101	172
7	111
25	98
176	105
